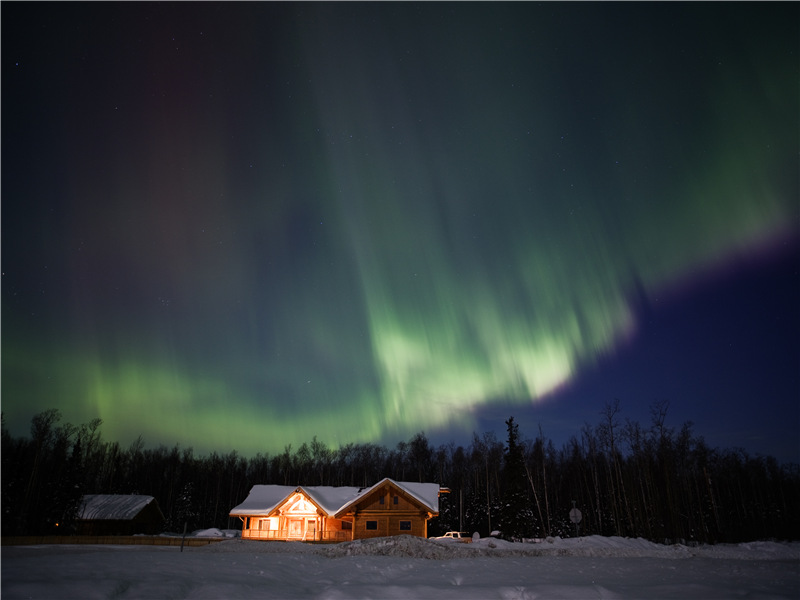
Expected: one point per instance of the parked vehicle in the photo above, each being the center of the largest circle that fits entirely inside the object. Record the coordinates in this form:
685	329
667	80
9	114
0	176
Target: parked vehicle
459	536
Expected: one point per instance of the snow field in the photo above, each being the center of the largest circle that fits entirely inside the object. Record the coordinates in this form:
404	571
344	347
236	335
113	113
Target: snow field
405	568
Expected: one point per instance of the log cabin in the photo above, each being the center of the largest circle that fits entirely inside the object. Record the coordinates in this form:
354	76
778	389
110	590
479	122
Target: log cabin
335	514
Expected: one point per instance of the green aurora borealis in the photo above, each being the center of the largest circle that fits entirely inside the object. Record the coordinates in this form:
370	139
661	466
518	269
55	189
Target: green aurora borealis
359	222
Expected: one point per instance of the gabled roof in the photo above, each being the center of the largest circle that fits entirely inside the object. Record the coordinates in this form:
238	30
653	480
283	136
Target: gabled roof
426	494
263	499
116	507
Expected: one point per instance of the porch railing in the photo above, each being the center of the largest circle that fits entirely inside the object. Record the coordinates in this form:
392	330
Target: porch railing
285	534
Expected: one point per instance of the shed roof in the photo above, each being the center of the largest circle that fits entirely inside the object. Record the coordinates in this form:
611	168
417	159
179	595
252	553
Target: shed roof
117	507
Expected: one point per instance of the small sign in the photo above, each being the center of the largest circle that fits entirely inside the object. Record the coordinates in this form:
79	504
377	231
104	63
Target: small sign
575	515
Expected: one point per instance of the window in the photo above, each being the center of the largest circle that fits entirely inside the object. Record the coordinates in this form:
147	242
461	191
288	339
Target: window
347	526
405	525
372	525
381	500
397	499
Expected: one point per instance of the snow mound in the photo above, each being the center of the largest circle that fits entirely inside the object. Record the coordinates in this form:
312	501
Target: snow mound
402	545
751	551
592	546
212	532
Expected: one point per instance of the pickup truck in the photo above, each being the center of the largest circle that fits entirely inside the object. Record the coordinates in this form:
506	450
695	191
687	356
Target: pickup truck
458	536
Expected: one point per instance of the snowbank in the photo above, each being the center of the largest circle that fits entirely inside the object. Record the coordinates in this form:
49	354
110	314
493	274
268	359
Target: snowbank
217	533
591	546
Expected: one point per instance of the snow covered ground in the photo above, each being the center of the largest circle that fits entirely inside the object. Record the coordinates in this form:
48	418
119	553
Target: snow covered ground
405	568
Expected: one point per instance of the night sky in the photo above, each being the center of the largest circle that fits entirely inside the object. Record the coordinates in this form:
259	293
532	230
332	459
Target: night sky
238	226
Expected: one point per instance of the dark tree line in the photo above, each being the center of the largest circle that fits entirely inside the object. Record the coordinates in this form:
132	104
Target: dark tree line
654	482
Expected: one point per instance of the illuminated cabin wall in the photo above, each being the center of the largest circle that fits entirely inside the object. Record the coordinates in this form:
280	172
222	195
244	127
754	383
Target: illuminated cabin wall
388	511
385	511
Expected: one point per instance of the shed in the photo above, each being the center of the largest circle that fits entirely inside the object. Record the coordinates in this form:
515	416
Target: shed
117	514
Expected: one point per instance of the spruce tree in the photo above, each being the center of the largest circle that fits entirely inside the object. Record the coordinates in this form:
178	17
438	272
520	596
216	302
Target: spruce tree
515	518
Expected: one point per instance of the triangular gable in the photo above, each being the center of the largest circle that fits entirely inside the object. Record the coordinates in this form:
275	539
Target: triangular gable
426	494
298	503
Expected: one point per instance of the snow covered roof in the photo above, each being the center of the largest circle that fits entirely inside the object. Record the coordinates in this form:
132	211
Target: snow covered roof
330	498
263	499
115	507
426	494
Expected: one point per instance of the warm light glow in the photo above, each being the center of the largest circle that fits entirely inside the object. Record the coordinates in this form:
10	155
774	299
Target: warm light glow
298	505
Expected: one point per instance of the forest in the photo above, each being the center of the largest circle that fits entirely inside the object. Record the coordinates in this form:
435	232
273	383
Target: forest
651	481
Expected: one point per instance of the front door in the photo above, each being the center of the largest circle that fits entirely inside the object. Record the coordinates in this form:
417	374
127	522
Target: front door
311	529
296	528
